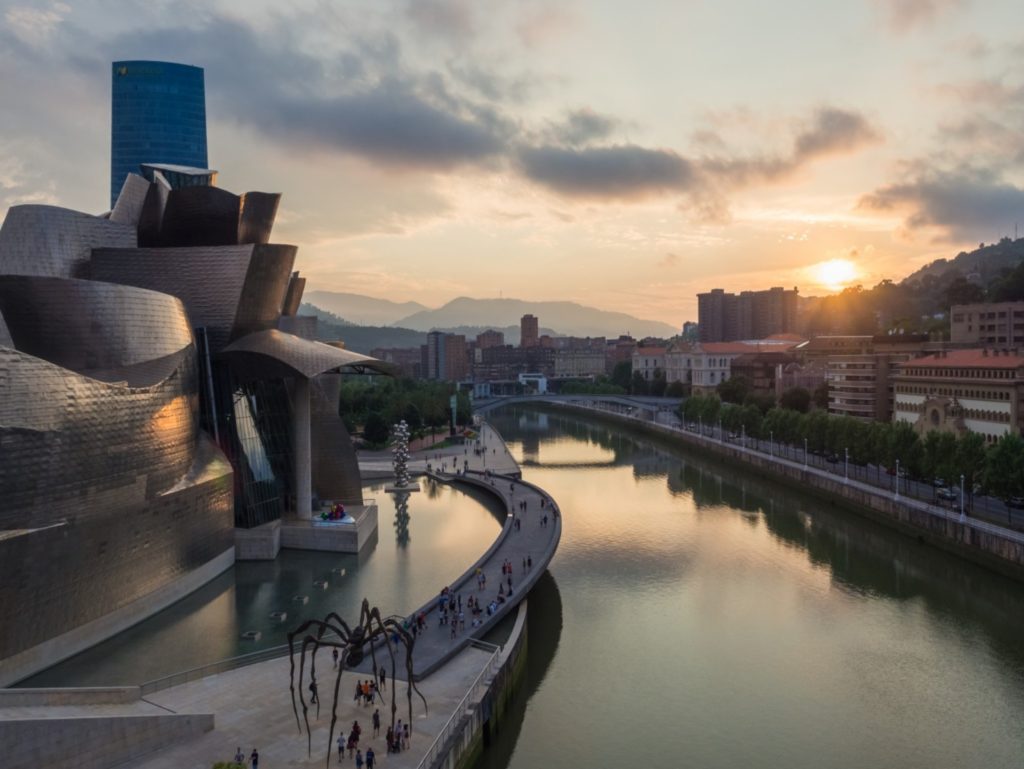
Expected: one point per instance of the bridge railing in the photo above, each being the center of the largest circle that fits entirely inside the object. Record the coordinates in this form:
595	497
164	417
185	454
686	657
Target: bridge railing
476	691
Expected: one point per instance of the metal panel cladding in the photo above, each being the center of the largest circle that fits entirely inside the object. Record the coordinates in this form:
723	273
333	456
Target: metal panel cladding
158	115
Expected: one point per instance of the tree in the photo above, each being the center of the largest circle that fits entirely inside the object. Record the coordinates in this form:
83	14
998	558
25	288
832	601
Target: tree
763	401
905	446
622	374
412	417
796	399
638	385
970	459
376	430
1004	472
821	396
962	291
675	390
734	389
1009	288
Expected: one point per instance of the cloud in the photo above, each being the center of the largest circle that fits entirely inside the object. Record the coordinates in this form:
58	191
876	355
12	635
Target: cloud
905	15
581	126
453	20
830	131
622	172
631	172
965	204
35	26
365	103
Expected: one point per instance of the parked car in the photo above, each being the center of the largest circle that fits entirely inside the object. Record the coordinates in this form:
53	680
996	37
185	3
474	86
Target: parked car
938	483
1015	502
832	458
947	494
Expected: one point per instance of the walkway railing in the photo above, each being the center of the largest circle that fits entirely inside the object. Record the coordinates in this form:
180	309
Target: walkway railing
476	690
222	666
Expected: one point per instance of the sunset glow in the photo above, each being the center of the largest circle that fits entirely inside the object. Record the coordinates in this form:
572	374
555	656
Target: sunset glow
540	150
836	274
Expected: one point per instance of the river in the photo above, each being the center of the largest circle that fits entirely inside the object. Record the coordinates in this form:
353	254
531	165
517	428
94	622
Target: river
699	617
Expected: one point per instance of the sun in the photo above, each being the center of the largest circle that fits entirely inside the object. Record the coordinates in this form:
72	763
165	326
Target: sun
835	274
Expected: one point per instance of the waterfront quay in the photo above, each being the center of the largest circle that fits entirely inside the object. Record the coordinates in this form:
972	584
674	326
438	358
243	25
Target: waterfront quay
195	718
981	541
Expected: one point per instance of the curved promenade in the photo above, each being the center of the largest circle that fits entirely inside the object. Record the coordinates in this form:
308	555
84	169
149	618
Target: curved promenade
530	542
194	719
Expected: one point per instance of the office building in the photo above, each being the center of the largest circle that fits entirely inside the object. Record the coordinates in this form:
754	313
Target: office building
999	324
725	317
529	331
158	116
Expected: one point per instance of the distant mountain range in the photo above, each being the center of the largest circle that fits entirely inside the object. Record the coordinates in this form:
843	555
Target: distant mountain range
466	315
362	310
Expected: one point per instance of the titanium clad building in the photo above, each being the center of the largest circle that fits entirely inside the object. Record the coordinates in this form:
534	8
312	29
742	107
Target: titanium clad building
158	115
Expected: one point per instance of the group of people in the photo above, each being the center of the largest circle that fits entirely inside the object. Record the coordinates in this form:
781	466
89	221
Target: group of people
352	744
254	757
366	691
397	738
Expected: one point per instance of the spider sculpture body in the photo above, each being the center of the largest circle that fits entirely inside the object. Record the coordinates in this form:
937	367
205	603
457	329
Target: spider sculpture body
332	632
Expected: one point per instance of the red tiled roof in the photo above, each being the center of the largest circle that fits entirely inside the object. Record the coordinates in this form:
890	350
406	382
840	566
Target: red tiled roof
649	351
977	358
787	337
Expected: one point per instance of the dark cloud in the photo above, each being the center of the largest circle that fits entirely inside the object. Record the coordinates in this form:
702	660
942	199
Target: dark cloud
830	131
621	172
833	130
964	204
581	126
630	171
905	15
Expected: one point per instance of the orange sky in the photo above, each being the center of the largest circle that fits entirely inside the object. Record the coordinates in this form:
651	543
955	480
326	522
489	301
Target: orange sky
624	156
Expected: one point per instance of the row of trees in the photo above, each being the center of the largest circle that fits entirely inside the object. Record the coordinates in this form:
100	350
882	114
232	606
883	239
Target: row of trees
374	405
999	468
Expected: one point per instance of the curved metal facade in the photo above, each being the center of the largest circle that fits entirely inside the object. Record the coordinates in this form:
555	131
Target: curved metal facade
229	290
47	240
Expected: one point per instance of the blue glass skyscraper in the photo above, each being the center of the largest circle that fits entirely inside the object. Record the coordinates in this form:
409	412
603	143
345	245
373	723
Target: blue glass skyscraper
158	115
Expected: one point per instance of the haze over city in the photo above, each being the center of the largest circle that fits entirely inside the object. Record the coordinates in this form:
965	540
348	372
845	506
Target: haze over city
632	155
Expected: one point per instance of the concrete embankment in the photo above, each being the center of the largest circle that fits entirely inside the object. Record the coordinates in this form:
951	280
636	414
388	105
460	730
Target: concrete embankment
994	547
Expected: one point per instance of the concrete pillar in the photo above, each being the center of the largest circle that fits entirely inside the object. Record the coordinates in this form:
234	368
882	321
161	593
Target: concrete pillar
301	450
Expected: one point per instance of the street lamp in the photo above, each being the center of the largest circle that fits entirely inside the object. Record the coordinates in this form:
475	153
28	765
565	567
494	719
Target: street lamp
846	467
700	427
961	498
721	438
897	479
743	435
805	453
771	443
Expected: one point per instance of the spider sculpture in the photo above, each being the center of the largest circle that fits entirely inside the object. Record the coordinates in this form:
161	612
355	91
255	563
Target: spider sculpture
333	632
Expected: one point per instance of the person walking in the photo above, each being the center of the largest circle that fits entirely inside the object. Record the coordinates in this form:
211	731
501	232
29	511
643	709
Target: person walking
312	693
239	756
370	758
334	654
359	759
376	722
383	677
254	759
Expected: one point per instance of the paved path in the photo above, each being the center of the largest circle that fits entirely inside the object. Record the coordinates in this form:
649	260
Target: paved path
523	539
488	452
253	709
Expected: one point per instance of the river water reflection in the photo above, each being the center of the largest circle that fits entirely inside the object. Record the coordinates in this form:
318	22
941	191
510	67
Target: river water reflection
699	617
444	531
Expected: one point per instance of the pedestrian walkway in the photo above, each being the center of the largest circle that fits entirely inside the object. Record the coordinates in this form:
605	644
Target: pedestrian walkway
525	542
487	452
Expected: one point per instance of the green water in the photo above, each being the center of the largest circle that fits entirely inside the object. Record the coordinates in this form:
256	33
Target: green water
698	617
445	531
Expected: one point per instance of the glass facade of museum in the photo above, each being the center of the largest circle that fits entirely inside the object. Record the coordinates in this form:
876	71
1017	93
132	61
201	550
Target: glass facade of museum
158	115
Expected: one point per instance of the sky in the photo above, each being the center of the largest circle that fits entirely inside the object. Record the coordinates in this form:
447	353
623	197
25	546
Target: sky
622	155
